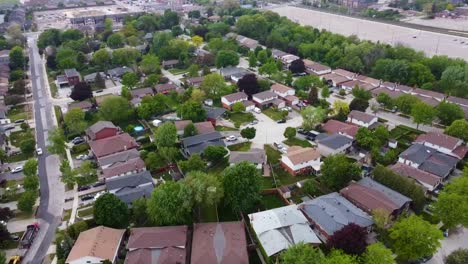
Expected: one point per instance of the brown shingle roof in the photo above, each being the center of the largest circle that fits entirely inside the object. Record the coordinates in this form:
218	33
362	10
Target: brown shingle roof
119	168
236	97
142	92
169	242
429	93
335	126
369	80
100	242
111	145
360	84
181	124
416	174
439	139
361	116
277	87
84	105
219	243
298	155
344	73
204	127
164	88
315	66
367	198
336	78
98	126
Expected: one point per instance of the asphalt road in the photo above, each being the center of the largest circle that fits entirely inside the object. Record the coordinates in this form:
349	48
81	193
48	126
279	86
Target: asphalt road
48	216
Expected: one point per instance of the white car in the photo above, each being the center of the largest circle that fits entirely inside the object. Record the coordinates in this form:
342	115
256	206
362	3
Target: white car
82	157
17	169
39	151
231	138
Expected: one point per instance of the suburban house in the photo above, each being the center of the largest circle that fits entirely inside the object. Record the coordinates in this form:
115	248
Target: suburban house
362	119
213	114
230	99
370	195
118	72
83	105
91	78
429	160
61	81
233	73
428	93
204	127
120	168
4	56
350	85
299	160
128	188
334	79
247	42
96	245
392	93
278	54
316	68
162	244
349	75
255	156
337	127
333	144
223	242
265	99
111	145
330	213
180	126
138	94
365	79
195	81
102	129
443	143
73	76
288	59
165	88
278	229
427	180
169	64
197	144
110	160
282	90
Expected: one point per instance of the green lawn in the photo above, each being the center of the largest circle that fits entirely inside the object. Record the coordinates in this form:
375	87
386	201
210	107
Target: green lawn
273	155
19	136
24	215
218	168
297	142
17	112
245	146
208	214
271	201
11	244
85	212
274	113
284	178
225	128
21	156
53	87
241	118
177	71
66	215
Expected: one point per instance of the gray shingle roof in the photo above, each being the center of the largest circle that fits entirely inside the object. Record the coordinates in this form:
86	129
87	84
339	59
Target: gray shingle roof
198	143
430	160
132	180
119	157
334	141
229	71
71	73
256	156
396	197
214	112
332	212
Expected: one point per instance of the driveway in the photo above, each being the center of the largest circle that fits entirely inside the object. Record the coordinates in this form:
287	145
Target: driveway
456	240
268	131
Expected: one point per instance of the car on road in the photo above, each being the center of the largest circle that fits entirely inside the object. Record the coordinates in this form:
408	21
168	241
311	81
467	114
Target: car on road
231	138
77	141
39	151
83	188
19	121
87	197
257	110
97	184
254	122
282	121
17	169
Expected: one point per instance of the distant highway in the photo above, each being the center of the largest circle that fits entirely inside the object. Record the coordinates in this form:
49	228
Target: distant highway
431	43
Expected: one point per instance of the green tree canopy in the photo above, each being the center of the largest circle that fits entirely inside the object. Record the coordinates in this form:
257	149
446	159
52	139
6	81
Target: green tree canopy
302	254
166	135
207	189
130	79
377	253
150	64
191	110
115	109
312	116
459	256
338	171
448	112
194	163
451	206
248	133
214	86
116	40
215	153
75	121
459	129
110	211
227	58
422	113
242	183
102	58
290	133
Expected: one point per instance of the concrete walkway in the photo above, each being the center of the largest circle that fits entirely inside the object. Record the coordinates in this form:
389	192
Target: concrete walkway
20	225
12	205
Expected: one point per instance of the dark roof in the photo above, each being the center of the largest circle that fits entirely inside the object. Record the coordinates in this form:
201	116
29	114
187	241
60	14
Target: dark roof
214	112
430	160
142	92
198	143
132	180
236	96
420	176
148	245
98	126
92	76
118	157
123	167
332	212
265	95
229	71
170	62
119	71
333	141
71	73
113	144
256	156
164	87
219	243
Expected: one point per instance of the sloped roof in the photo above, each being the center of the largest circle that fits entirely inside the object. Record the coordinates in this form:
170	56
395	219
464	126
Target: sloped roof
204	127
111	145
118	157
161	88
132	180
148	245
280	88
142	92
361	116
198	143
219	243
458	100
100	242
334	141
282	227
332	212
315	66
236	96
98	126
298	155
336	78
256	156
122	167
439	139
344	73
334	126
214	112
423	177
429	93
265	95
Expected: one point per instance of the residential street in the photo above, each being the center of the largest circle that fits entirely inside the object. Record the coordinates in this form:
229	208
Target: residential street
456	240
50	207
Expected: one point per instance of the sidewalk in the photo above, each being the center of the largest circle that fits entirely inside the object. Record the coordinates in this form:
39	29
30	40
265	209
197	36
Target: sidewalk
20	225
12	205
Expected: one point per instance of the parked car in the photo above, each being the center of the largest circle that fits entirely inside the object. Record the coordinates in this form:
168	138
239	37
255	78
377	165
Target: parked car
19	121
282	121
83	188
97	184
82	157
257	110
39	151
17	169
78	141
87	197
254	122
231	138
302	131
278	145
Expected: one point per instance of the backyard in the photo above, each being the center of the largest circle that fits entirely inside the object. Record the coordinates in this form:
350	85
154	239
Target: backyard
18	112
273	155
271	201
404	135
19	136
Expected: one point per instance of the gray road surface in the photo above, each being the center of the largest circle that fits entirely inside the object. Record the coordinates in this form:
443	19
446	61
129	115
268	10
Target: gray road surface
430	43
50	207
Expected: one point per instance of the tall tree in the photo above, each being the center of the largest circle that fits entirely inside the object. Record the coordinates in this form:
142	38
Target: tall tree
252	60
424	238
139	214
214	153
56	142
170	204
75	121
191	110
459	256
248	133
359	104
313	96
297	66
81	91
338	171
290	133
115	109
166	135
451	206
249	84
242	183
422	113
130	79
351	239
17	59
226	58
207	189
150	64
448	112
194	163
214	86
302	254
102	58
312	116
459	129
110	211
116	40
377	253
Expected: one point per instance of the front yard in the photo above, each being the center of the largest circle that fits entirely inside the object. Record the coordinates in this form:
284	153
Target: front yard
244	146
240	118
273	155
297	142
275	114
19	136
18	112
177	71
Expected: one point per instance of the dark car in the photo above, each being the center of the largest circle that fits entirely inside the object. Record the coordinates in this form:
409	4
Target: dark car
87	197
282	121
77	141
302	131
83	188
311	138
97	184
